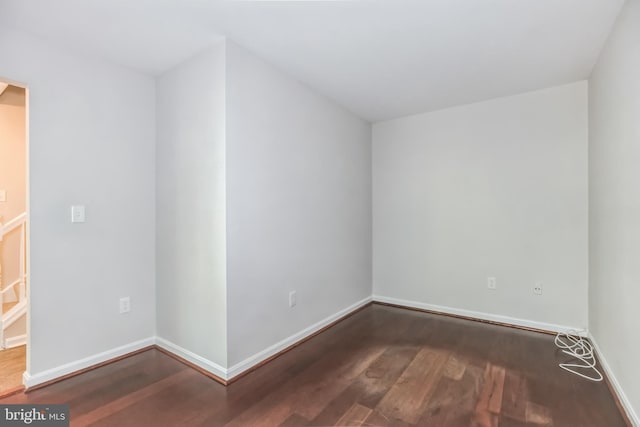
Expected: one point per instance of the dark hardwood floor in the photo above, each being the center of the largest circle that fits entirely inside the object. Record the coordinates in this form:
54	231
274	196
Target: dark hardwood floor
384	366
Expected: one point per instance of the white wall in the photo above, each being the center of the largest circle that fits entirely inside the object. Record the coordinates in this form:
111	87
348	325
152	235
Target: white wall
497	188
614	202
92	138
190	193
298	205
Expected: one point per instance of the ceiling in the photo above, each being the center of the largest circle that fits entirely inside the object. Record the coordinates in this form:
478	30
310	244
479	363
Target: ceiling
380	59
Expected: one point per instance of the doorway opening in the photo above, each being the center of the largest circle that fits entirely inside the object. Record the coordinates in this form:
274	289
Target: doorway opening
14	277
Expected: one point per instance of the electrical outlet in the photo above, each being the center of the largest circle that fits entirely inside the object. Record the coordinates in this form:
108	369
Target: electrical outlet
125	305
292	299
537	288
491	283
77	213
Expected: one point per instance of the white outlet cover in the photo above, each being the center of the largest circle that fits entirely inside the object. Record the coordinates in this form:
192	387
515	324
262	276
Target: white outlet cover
292	299
3	195
78	213
125	305
537	288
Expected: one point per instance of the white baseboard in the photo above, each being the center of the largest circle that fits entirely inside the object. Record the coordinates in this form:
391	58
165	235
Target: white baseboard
624	400
15	341
479	315
191	357
251	361
212	367
69	368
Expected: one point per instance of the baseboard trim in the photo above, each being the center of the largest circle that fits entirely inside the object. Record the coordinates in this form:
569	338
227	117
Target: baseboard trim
476	316
252	363
616	389
227	376
68	370
16	341
197	362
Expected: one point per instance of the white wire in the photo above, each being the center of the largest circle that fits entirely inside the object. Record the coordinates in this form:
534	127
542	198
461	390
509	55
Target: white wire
579	349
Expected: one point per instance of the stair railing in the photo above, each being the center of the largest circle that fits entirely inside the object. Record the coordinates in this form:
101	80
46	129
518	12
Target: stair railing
19	222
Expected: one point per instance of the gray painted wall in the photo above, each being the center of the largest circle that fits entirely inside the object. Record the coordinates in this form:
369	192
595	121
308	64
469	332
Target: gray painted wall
92	142
493	189
614	202
190	200
298	205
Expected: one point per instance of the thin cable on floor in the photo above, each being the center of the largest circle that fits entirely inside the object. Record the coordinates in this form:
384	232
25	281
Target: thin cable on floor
580	350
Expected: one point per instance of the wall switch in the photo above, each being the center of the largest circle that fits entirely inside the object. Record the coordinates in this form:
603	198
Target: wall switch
125	305
537	288
77	213
292	299
3	195
491	282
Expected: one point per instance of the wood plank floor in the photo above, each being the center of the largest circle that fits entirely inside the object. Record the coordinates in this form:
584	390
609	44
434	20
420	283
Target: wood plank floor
384	366
13	362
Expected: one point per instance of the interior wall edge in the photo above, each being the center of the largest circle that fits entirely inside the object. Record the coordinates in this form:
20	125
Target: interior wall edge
478	315
73	368
193	358
617	389
293	340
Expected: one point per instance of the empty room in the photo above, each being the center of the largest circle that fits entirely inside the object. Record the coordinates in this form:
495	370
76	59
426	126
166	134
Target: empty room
320	213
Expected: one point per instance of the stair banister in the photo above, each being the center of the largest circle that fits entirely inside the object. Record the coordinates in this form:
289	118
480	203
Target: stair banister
19	221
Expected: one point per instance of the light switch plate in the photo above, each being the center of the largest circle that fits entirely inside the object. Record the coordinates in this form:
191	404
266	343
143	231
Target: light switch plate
3	195
77	213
